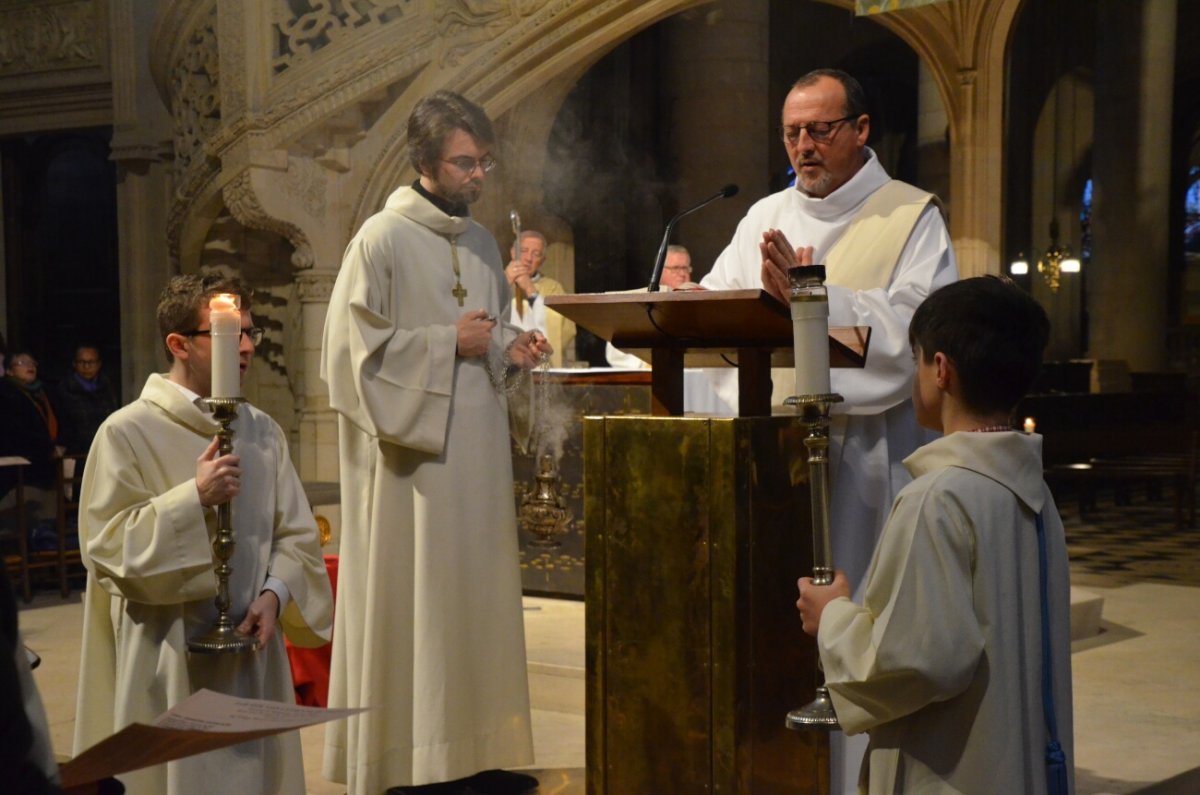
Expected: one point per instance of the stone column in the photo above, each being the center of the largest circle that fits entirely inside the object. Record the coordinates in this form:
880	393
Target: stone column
933	150
721	127
1127	280
141	149
316	454
318	448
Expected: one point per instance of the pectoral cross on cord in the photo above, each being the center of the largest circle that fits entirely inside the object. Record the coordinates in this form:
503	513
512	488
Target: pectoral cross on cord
459	291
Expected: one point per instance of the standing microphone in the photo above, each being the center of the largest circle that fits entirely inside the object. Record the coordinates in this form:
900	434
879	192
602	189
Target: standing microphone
656	276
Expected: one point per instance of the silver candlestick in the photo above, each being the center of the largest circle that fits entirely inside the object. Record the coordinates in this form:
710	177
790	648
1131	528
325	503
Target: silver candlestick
814	413
223	637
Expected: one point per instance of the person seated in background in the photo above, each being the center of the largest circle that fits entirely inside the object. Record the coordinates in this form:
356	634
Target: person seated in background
529	288
28	427
677	270
84	400
676	275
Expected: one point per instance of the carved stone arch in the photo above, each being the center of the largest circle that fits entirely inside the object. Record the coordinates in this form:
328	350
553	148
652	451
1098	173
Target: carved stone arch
965	45
189	231
559	41
263	258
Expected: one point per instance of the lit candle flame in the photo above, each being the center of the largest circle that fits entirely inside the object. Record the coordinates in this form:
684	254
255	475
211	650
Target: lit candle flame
224	302
1030	425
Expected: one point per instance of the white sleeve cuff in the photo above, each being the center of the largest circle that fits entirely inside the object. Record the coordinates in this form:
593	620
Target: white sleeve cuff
280	589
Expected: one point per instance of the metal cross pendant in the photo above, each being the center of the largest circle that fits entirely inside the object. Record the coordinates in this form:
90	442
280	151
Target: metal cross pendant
459	292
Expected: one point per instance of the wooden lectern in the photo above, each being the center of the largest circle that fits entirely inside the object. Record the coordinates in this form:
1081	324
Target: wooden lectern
696	531
747	329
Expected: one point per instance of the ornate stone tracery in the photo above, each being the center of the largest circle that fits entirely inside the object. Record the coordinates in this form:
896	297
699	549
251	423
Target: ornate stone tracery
195	93
302	28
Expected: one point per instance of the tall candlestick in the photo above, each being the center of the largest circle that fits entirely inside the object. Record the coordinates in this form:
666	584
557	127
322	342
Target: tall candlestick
226	323
810	329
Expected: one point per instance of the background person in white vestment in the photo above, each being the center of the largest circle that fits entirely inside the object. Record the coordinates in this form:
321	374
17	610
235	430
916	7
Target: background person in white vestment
530	287
676	275
146	522
885	247
429	628
942	662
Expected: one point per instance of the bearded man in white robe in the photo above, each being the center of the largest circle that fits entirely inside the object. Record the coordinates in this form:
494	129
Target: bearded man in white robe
885	247
153	479
429	629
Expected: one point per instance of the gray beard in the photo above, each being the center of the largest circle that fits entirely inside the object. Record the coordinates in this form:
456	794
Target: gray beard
816	187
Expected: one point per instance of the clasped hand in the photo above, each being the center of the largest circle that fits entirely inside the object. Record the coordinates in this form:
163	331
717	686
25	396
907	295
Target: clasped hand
518	273
777	256
813	599
218	478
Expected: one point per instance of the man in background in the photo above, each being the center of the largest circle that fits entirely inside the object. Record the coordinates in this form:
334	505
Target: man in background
676	275
530	287
85	398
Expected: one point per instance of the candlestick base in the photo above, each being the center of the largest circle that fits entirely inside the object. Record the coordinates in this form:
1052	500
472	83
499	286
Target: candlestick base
222	640
817	714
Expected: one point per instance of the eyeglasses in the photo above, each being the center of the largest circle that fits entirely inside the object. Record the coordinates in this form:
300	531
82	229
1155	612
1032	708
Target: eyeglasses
820	131
255	333
685	268
467	165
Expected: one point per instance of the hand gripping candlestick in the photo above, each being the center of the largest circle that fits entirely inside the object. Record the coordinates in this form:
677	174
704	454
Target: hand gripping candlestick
812	401
226	323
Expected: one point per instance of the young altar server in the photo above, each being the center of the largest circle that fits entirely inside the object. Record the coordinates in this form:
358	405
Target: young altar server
943	663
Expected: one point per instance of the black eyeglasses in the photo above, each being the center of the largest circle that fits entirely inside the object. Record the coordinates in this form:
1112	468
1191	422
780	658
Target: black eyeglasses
255	333
467	165
820	131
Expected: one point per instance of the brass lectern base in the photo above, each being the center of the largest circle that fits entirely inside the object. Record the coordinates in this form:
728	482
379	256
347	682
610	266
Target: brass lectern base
697	529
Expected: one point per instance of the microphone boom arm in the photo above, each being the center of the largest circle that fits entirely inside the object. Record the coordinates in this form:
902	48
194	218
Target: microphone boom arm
660	260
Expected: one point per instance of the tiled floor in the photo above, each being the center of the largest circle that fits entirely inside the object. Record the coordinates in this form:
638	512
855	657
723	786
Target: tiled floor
1137	683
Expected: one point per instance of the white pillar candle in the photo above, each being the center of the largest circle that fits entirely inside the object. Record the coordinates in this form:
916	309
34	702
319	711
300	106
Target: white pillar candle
1030	425
226	323
810	338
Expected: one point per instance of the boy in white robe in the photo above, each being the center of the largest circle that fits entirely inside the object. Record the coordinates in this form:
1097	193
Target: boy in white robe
942	663
146	523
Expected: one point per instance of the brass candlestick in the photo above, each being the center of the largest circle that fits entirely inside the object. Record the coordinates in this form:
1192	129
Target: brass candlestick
223	637
814	412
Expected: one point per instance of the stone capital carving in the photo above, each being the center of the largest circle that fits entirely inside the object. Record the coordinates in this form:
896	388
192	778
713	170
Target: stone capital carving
315	286
245	207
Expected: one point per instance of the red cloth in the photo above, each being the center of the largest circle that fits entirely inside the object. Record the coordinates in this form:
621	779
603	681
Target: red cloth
310	667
